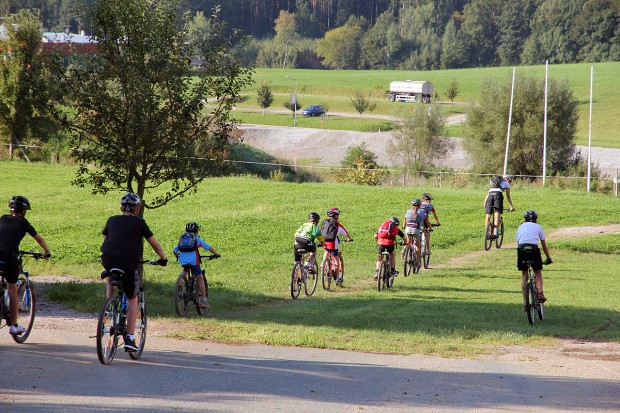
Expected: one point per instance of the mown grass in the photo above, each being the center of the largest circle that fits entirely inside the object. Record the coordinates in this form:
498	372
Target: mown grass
330	122
452	310
333	87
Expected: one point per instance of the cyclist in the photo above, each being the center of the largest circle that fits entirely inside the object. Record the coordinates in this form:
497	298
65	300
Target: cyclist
13	228
428	207
529	234
331	229
304	239
122	248
495	199
386	239
186	252
415	218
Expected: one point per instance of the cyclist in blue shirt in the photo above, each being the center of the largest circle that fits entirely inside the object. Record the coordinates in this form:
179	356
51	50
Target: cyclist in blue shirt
428	207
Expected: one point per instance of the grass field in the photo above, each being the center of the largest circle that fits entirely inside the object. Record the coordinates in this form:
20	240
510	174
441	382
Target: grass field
451	310
333	87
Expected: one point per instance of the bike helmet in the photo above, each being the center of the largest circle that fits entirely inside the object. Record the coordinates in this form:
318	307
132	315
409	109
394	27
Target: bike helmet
530	215
19	203
395	220
192	227
314	217
416	202
129	201
427	196
509	178
332	212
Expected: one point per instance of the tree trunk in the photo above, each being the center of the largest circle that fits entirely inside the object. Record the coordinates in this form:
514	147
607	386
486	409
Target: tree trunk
12	143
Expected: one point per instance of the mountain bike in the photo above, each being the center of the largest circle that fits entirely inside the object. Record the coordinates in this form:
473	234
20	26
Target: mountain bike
425	250
385	277
488	232
112	321
26	307
302	275
410	262
187	290
533	305
327	273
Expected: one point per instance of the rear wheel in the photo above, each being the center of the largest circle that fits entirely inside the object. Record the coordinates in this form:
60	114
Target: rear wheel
326	274
532	304
488	236
140	331
500	234
25	309
417	263
407	261
541	311
426	256
387	274
202	311
181	296
296	280
107	334
381	278
312	280
341	269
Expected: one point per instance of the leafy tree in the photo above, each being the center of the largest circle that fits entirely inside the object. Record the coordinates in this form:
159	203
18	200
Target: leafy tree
264	96
137	115
417	140
453	91
380	43
361	102
485	137
286	38
340	48
481	31
360	167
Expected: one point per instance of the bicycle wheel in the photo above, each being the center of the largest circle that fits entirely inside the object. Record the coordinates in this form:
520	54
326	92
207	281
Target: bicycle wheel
387	275
326	274
426	256
181	296
417	263
202	311
381	278
107	334
296	279
341	269
541	311
407	261
312	280
533	304
140	331
488	236
500	234
25	309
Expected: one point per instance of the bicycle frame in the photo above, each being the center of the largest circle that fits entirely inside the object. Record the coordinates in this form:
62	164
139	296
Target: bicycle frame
385	278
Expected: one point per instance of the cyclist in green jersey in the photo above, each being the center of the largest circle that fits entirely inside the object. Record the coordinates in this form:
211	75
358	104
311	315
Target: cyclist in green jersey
305	238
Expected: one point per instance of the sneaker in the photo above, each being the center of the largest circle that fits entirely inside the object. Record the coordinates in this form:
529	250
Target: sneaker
130	345
394	273
339	281
525	308
17	330
311	270
376	277
541	297
203	302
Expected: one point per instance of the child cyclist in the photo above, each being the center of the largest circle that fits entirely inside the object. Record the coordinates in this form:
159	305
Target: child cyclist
13	228
187	253
305	237
331	229
428	208
386	240
415	219
495	199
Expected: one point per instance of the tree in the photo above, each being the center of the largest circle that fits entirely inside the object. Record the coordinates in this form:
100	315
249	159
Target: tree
360	167
286	37
417	140
361	103
340	48
264	96
137	115
453	91
485	137
24	79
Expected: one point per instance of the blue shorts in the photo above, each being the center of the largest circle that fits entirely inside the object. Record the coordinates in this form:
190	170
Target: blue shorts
194	269
332	252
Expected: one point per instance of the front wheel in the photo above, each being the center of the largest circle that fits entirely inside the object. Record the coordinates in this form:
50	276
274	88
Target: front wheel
312	280
181	296
202	309
426	254
326	274
500	234
108	331
140	331
296	280
408	260
488	236
25	309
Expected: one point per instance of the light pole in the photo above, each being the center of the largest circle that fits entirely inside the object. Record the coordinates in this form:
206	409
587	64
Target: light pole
294	100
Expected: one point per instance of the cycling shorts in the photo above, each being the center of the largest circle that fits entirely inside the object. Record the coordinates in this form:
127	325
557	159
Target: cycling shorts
413	231
495	200
131	281
529	252
298	246
194	269
10	266
387	248
332	252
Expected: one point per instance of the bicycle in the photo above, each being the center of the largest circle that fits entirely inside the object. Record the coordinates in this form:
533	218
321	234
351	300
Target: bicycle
302	275
26	307
112	321
488	232
385	277
410	261
187	290
425	250
327	274
532	303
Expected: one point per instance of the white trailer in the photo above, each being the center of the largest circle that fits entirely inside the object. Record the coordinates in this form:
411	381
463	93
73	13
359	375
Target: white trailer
411	91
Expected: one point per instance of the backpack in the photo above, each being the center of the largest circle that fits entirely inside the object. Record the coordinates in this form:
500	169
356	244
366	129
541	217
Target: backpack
495	182
188	242
388	230
329	229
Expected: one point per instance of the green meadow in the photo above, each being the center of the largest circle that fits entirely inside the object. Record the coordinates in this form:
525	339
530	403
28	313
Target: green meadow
333	88
458	308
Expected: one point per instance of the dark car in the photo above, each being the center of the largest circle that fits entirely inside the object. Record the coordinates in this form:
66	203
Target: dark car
313	110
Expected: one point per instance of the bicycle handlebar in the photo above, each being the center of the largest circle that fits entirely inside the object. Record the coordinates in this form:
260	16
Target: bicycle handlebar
35	255
154	262
210	257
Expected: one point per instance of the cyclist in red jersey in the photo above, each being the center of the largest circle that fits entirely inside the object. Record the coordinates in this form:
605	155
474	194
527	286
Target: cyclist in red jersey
331	229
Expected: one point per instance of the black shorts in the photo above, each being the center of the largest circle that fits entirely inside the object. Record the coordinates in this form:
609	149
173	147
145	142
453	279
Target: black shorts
302	244
10	268
131	281
388	248
495	200
529	252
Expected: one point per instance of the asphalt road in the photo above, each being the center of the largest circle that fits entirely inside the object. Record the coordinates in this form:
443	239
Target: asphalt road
57	370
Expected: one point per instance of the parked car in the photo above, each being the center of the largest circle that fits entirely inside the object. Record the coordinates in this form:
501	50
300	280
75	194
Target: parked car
313	110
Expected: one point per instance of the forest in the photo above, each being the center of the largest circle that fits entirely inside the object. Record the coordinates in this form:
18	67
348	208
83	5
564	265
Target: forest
396	34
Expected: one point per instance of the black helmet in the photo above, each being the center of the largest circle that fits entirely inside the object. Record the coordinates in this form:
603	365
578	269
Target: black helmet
332	212
192	227
395	220
19	203
416	202
314	217
530	215
427	196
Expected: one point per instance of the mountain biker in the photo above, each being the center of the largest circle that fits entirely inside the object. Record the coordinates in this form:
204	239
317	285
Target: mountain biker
495	199
13	228
191	257
386	240
529	234
304	239
122	249
331	229
428	207
415	218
